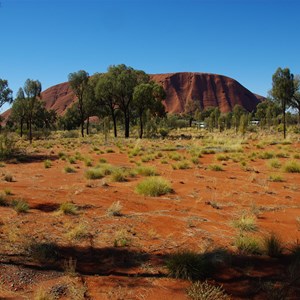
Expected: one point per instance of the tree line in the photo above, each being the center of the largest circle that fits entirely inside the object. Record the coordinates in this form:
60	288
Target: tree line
125	96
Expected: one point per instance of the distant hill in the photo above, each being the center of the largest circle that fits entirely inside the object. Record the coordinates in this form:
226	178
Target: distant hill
204	88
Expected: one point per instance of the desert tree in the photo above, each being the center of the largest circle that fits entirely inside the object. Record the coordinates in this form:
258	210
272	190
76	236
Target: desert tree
237	112
79	85
32	90
125	80
19	110
148	97
283	90
106	97
5	93
295	103
190	109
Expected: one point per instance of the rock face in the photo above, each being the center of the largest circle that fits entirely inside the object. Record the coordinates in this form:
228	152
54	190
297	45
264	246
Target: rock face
206	89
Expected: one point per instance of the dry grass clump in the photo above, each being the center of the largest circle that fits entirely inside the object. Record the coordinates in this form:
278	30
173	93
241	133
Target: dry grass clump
205	291
292	167
95	173
247	244
20	206
146	171
154	186
115	209
245	223
68	208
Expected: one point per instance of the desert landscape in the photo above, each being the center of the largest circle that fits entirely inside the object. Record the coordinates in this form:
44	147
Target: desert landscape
149	150
77	223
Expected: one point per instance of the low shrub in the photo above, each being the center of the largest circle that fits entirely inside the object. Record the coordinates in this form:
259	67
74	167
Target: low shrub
119	175
47	164
276	178
154	186
216	168
273	245
292	167
205	291
146	171
248	244
69	169
95	173
43	252
20	206
245	223
115	209
189	265
68	208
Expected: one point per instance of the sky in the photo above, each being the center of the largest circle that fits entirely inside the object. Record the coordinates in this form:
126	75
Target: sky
246	40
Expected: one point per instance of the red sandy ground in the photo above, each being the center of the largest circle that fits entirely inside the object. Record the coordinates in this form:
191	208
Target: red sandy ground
153	226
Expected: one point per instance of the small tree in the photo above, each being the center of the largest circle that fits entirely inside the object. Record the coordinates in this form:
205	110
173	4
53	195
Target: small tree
32	89
148	96
19	110
283	91
79	84
296	97
5	93
190	109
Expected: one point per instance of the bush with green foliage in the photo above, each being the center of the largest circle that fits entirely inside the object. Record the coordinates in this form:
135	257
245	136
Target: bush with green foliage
154	186
189	265
68	208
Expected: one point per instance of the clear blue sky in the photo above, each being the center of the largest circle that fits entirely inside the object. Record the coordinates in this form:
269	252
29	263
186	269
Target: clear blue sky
243	39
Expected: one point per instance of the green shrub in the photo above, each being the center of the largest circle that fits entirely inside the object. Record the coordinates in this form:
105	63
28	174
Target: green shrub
248	244
47	164
72	160
43	252
222	157
146	171
266	155
103	160
119	175
69	169
7	146
275	163
184	165
292	167
95	173
273	245
189	265
20	206
205	291
3	201
68	208
245	223
276	178
154	186
216	168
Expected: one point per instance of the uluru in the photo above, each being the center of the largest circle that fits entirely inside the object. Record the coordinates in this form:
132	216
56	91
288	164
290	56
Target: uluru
209	90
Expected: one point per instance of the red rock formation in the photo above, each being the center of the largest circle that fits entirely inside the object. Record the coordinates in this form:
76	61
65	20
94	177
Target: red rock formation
207	89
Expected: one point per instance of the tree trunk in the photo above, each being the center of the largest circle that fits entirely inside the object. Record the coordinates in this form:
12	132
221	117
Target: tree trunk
87	126
284	119
115	123
299	116
21	128
30	131
141	127
190	122
127	120
82	128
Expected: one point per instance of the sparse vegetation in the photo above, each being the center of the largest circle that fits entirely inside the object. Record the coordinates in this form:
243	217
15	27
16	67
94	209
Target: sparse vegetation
205	291
248	244
292	167
273	245
68	208
20	206
245	223
115	209
189	265
154	186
